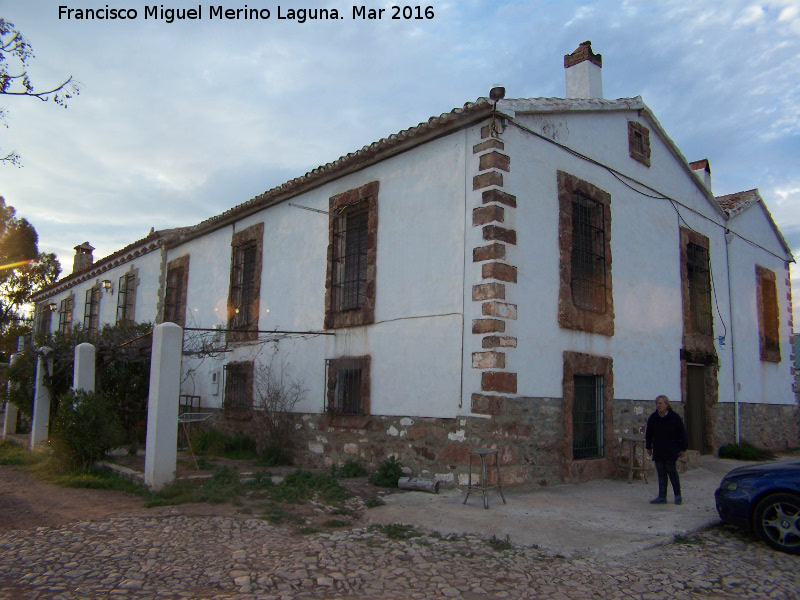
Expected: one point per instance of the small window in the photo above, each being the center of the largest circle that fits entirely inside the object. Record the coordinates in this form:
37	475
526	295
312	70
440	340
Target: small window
639	142
768	315
65	314
587	417
699	276
91	309
588	253
238	386
126	296
347	390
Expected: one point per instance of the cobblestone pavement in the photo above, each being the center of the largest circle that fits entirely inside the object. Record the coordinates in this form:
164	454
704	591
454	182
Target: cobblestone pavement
227	558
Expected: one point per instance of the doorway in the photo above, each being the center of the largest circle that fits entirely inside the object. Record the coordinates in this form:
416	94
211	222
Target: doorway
696	407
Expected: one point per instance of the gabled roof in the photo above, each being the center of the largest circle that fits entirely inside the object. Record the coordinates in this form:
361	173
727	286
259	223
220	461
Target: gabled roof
736	204
153	240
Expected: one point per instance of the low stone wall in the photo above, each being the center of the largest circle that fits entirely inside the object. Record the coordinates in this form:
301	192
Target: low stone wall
772	426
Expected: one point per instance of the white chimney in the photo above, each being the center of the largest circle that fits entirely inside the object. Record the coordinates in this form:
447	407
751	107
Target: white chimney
702	169
83	257
583	66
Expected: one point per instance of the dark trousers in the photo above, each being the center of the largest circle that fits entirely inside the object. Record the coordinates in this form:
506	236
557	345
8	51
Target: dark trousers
667	468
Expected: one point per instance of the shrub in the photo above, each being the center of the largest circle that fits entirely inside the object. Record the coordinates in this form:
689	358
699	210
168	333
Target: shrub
85	428
745	451
350	470
388	473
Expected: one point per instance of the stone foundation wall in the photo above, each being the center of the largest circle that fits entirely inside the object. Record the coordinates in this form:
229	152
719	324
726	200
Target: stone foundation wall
772	426
528	433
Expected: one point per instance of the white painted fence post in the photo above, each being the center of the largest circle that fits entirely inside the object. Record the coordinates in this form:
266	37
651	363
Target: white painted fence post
161	447
10	422
84	368
40	426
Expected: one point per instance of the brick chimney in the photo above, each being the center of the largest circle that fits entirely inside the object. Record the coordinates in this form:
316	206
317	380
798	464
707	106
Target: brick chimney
583	66
702	169
83	257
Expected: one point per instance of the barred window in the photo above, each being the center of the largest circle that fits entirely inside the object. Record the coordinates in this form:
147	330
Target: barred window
588	253
175	292
349	281
65	314
238	386
347	385
587	417
243	285
699	276
126	296
91	309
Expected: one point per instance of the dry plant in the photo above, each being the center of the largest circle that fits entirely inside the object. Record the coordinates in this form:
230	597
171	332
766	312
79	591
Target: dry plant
276	392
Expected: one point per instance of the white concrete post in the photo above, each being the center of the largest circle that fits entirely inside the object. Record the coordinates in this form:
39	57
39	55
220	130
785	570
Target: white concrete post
83	371
161	447
10	422
41	399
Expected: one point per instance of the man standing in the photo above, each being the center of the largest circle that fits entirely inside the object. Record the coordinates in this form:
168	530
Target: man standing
666	440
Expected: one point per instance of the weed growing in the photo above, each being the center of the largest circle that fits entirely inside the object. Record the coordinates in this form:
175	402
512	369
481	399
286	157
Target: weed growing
388	473
499	545
745	451
14	454
374	502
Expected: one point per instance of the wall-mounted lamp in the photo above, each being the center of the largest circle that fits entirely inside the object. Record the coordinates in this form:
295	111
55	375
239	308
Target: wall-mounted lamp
52	306
107	285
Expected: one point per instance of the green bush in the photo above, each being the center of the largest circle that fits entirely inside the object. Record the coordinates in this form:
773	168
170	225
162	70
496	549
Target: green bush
213	442
85	428
745	451
350	470
388	473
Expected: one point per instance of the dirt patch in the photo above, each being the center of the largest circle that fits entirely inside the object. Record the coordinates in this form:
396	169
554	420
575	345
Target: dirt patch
27	502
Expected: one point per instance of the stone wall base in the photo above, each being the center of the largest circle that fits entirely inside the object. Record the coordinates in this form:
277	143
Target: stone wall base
772	426
528	433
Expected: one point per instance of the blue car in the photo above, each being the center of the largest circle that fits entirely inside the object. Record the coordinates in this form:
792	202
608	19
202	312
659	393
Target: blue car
764	498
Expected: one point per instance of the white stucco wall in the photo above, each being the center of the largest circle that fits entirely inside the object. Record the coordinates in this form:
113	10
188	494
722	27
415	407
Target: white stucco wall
645	247
415	342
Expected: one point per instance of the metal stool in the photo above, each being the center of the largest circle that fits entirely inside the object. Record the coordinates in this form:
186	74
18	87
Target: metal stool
484	485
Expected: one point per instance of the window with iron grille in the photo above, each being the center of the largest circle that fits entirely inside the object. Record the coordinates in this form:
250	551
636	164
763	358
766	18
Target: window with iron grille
768	315
175	292
238	386
126	297
349	282
243	285
587	417
65	314
350	285
91	309
699	280
347	385
588	253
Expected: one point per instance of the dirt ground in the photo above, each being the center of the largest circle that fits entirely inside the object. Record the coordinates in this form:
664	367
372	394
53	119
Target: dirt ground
27	502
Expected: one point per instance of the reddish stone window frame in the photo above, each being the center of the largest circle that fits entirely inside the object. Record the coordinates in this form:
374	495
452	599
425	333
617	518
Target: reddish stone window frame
769	345
362	198
246	292
639	142
175	290
570	315
579	363
695	339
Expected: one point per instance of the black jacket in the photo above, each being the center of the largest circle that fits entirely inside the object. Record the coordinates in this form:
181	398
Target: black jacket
666	435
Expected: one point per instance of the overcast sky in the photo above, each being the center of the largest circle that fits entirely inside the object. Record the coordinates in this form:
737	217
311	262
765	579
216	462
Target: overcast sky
180	121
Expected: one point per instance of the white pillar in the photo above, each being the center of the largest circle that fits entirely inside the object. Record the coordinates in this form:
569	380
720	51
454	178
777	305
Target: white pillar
161	447
10	422
83	372
40	426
